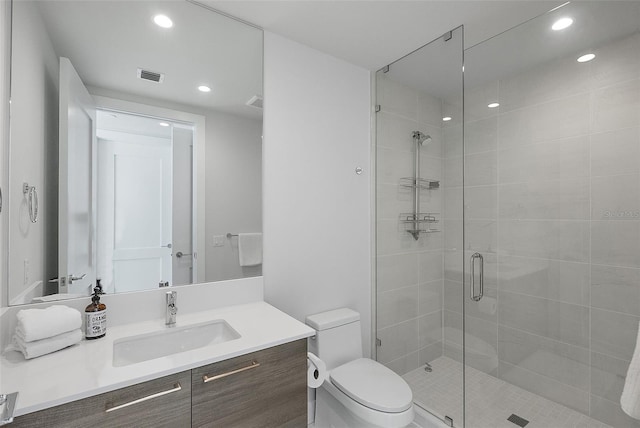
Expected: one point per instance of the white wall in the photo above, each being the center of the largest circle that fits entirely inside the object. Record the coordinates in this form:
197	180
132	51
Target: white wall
317	241
234	191
34	148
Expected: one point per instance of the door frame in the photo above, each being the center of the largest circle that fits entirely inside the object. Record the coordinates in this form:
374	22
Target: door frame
73	92
199	203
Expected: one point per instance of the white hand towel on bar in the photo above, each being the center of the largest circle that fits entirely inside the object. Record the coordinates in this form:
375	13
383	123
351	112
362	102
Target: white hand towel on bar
630	398
250	249
37	324
46	346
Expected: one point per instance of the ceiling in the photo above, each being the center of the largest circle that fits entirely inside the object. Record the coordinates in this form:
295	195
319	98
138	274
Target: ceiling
107	41
374	33
436	69
132	124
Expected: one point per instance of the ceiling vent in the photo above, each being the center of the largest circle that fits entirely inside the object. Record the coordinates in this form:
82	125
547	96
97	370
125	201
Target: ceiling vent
255	101
151	76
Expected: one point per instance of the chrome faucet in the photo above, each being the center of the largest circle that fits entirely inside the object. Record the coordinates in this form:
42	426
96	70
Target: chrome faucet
172	309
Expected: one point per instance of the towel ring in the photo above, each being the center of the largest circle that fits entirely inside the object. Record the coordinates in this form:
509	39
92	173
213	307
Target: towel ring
31	194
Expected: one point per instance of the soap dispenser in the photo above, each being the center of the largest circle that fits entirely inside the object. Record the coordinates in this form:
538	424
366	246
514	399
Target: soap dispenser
96	315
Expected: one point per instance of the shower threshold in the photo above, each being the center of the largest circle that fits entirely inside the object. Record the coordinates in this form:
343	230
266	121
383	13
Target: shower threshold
490	401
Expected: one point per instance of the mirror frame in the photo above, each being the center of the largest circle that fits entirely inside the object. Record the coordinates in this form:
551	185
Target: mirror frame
6	14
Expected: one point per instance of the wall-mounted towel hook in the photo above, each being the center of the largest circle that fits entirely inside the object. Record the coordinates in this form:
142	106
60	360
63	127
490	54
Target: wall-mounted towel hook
31	194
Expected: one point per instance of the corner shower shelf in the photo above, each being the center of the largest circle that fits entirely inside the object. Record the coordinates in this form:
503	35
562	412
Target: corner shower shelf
419	218
419	183
420	222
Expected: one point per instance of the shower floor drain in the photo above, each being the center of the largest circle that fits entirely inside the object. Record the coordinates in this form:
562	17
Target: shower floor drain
521	422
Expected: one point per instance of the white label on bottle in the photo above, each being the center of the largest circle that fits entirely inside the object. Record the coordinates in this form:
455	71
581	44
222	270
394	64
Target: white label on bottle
96	323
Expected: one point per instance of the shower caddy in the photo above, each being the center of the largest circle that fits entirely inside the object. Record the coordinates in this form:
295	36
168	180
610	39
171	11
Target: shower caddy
419	222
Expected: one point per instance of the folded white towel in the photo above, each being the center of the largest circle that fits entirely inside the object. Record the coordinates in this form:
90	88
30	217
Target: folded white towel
46	346
37	324
250	249
630	398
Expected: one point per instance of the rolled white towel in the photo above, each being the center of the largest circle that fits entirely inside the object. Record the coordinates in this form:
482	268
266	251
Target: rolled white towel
46	346
630	398
37	324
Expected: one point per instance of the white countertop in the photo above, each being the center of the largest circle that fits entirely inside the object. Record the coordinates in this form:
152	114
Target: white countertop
86	369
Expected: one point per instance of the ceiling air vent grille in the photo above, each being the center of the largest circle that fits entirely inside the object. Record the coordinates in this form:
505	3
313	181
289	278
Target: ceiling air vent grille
255	101
151	76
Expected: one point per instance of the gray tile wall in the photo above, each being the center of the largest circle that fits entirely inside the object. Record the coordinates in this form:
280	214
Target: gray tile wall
409	272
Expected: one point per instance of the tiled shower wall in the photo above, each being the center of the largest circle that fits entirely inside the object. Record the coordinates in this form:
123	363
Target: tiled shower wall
552	201
409	272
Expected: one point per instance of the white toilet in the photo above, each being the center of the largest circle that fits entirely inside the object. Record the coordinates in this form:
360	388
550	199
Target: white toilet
371	394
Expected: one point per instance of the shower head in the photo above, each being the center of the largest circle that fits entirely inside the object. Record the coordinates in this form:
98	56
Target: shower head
421	138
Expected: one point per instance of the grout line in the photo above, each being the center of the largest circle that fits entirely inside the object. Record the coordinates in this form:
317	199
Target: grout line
590	310
412	319
498	264
417	253
589	91
553	180
404	287
584	306
409	119
551	379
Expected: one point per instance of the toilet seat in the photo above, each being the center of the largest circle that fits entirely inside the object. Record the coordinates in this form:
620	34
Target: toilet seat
373	385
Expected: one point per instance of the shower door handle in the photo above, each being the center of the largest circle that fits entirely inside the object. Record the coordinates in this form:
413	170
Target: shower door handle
472	283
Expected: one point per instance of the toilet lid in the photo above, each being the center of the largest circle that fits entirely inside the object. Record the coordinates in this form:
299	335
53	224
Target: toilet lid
373	385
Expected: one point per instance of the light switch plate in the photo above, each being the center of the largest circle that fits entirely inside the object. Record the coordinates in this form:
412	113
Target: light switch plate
218	240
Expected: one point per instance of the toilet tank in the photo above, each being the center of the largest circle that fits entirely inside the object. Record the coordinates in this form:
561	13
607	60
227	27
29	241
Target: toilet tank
338	338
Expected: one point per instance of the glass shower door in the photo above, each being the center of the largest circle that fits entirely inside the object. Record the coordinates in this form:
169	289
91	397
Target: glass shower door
419	230
551	226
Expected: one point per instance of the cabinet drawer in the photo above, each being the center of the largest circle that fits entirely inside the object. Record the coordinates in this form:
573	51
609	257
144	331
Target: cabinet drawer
263	389
164	402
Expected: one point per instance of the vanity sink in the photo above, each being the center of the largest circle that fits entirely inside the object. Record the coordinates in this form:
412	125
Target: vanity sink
143	347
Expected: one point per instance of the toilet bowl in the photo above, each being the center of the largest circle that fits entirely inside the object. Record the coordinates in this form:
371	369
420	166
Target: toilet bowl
358	391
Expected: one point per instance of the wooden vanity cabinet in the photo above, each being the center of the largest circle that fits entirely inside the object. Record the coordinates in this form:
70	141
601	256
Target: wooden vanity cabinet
263	389
164	402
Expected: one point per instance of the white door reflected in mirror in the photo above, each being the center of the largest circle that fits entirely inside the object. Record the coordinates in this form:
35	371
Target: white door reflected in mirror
135	189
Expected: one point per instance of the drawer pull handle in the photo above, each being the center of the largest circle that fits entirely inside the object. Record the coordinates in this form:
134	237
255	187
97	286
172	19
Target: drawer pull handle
177	387
253	365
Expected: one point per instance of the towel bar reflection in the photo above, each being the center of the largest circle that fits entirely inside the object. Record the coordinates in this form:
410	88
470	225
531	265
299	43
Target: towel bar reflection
231	235
31	194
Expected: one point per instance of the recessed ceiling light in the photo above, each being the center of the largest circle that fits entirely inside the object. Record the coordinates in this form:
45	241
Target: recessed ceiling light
586	58
163	124
561	24
446	118
204	88
163	21
493	105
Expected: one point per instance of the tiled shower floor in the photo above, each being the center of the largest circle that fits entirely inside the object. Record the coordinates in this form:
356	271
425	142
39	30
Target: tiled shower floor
490	401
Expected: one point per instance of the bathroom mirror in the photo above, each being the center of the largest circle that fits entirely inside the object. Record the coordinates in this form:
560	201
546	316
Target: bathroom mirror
135	147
